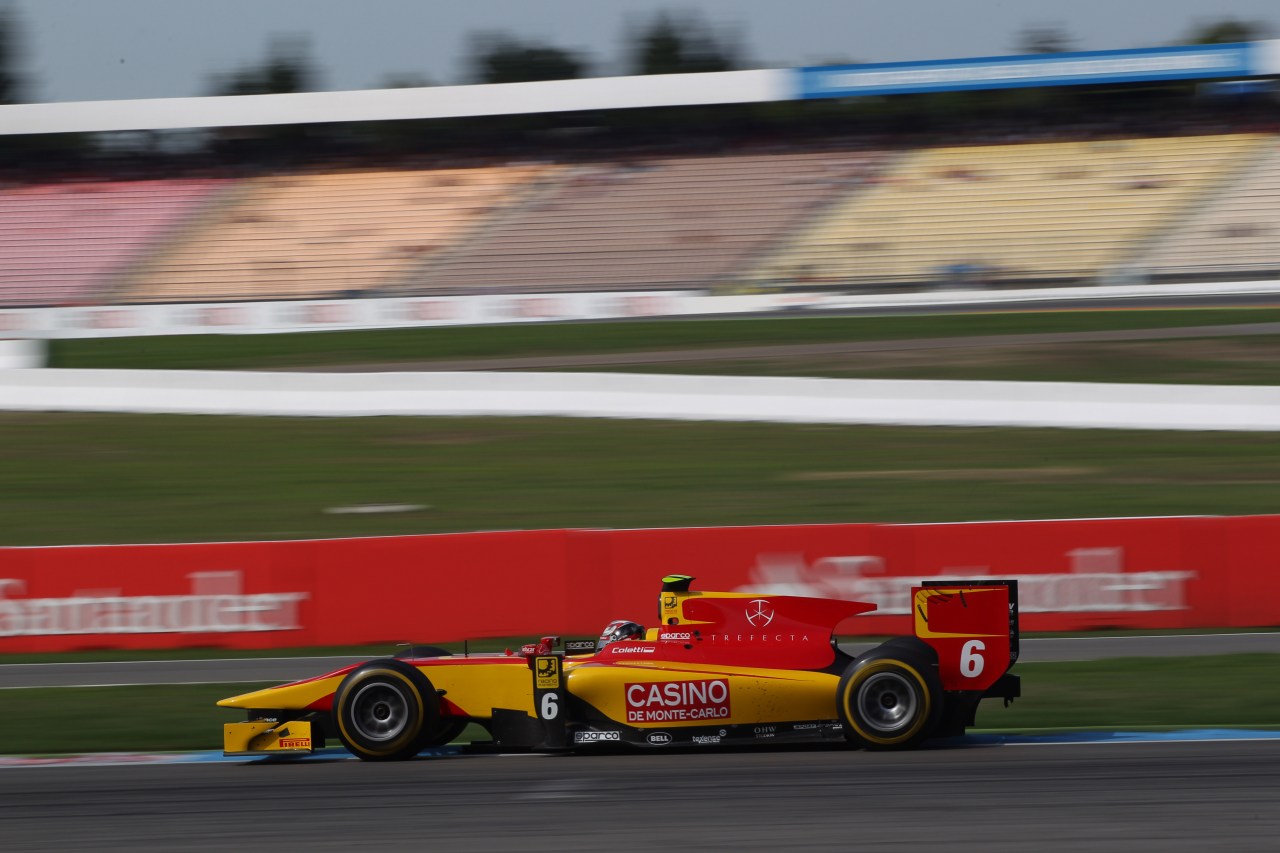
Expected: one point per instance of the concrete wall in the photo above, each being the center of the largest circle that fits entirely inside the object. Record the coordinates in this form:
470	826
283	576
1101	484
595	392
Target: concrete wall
604	395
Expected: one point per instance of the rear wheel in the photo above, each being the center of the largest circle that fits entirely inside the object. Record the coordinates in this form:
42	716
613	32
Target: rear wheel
890	698
382	710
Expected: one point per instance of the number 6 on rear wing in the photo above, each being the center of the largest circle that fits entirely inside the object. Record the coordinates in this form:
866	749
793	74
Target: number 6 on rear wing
973	626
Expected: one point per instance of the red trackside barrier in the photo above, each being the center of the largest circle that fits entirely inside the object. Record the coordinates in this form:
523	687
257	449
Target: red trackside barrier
1146	573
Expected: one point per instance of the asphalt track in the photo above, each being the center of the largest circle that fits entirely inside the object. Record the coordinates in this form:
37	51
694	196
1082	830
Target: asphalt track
284	669
1146	796
1217	795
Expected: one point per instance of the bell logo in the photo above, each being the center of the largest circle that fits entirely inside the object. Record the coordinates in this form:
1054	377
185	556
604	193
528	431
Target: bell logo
759	612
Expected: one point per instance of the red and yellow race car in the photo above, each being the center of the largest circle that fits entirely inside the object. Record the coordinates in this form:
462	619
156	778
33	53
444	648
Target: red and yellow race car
719	669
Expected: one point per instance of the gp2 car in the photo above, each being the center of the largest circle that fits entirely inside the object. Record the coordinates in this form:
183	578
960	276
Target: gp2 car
720	669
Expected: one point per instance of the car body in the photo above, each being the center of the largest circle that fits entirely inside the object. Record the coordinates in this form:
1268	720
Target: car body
720	669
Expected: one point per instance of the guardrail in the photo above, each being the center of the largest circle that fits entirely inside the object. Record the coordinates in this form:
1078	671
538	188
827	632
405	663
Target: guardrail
647	396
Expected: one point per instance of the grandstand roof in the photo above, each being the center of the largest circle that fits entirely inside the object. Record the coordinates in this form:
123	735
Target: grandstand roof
1261	58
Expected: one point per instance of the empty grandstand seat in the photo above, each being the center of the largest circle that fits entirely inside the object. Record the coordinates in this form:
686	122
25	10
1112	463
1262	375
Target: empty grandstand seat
1059	211
1235	232
326	234
67	243
1030	211
657	223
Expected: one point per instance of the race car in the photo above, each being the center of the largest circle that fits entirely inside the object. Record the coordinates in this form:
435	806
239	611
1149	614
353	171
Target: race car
720	668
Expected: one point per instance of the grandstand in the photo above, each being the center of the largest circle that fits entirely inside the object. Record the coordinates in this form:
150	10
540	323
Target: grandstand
804	205
1038	212
989	214
64	243
324	234
653	223
1236	233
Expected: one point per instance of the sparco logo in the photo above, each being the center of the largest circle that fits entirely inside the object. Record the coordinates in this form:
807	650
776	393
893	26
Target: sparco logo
595	737
215	605
658	738
759	612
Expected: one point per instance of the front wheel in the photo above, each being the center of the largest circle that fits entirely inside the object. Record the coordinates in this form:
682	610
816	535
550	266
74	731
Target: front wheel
382	710
889	699
445	731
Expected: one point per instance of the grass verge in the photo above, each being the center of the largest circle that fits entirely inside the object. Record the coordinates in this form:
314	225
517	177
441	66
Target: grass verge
99	478
145	718
1217	691
1125	694
1200	361
241	352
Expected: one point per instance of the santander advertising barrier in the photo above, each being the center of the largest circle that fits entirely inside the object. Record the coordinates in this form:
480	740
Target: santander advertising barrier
1146	573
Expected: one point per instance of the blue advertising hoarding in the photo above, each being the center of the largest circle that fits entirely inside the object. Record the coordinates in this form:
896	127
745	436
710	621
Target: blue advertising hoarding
1191	62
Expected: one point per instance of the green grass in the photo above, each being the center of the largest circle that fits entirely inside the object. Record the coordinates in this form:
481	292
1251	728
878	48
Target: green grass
151	718
1227	691
88	478
1126	694
223	352
1202	361
67	479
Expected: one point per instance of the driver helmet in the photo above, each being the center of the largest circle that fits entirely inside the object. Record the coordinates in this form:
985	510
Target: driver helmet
619	629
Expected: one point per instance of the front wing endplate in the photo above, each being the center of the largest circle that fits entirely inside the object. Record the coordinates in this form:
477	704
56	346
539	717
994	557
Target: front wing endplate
258	737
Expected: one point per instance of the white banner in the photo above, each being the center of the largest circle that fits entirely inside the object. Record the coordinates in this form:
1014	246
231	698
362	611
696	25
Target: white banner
245	318
241	318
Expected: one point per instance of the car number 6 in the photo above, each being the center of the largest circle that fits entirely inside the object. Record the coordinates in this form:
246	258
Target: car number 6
971	661
549	706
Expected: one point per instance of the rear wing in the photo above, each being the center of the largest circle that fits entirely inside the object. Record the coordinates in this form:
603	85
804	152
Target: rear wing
972	625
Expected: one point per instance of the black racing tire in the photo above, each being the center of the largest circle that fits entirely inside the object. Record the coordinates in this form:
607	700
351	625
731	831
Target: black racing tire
890	697
910	646
383	709
445	730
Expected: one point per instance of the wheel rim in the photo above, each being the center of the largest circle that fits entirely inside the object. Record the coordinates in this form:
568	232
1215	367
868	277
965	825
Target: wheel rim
887	702
379	712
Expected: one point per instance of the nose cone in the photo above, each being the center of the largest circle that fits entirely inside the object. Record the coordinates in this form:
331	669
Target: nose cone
314	694
256	699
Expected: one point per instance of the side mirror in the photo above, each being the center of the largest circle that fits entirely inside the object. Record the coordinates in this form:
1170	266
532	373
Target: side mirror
542	647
